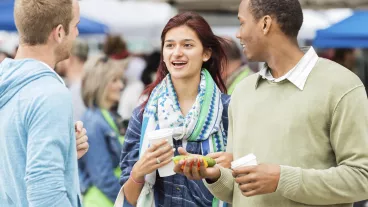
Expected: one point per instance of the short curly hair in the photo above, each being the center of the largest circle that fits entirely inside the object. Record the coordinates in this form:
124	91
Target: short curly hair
288	13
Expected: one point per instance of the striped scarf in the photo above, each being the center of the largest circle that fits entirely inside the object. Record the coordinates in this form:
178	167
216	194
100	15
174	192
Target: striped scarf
202	123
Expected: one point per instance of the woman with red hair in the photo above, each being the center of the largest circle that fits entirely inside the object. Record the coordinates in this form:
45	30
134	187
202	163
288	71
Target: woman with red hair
188	96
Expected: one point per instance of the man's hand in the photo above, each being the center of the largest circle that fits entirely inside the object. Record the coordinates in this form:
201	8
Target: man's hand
222	158
257	180
194	168
82	139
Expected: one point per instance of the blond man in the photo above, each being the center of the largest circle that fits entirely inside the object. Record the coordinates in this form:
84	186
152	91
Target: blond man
37	145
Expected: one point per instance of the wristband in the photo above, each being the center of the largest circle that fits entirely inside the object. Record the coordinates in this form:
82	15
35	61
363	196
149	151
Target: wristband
136	182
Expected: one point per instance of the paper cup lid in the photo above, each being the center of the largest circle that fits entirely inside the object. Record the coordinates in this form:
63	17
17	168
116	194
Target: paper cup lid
243	160
159	134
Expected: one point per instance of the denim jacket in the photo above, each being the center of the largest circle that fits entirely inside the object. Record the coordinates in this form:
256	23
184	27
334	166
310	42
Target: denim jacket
98	165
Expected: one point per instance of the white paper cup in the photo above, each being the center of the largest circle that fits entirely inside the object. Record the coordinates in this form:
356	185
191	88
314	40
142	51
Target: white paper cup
247	160
157	136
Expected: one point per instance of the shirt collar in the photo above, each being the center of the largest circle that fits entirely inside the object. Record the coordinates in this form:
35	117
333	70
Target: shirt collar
297	75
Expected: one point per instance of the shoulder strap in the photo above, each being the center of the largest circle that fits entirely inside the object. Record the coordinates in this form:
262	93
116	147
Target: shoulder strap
112	124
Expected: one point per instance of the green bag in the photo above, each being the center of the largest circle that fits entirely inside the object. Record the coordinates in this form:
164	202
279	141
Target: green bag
96	198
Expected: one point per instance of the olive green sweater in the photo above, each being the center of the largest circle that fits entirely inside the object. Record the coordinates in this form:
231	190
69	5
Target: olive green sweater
318	135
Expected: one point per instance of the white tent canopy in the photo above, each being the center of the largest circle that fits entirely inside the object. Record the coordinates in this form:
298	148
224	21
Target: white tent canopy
313	21
140	23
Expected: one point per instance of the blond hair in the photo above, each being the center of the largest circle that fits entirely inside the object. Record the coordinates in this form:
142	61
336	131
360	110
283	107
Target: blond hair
35	19
98	73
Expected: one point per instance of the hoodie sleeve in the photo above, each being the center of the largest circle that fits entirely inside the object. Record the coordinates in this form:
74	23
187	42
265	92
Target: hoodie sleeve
49	124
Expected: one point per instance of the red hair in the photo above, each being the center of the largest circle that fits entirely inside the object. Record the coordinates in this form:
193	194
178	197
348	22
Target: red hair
209	40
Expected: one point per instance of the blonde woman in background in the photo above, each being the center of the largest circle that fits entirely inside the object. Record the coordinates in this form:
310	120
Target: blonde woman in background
101	87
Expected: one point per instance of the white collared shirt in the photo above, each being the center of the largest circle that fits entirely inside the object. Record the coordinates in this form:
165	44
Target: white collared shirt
297	75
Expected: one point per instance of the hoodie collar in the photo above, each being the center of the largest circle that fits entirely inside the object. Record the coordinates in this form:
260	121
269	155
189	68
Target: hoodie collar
52	70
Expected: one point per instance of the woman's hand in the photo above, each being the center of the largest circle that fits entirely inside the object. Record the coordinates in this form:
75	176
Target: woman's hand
81	139
156	156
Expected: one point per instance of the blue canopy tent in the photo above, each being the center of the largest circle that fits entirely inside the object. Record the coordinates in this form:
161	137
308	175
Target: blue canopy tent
351	32
86	26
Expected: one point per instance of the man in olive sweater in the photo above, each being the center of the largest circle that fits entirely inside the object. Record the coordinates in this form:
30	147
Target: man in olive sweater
304	117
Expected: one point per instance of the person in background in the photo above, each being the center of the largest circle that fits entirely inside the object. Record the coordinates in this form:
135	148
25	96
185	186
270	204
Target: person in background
188	89
150	72
60	69
132	94
115	47
99	168
130	99
361	204
345	57
73	75
38	144
235	70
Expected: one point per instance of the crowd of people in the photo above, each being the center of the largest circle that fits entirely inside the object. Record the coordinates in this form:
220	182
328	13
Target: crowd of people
73	127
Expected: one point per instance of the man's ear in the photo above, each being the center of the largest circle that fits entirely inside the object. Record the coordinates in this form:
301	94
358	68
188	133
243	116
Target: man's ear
58	33
266	23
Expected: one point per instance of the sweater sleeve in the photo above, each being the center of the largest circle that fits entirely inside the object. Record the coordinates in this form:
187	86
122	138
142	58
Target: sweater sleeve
223	188
50	130
348	181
